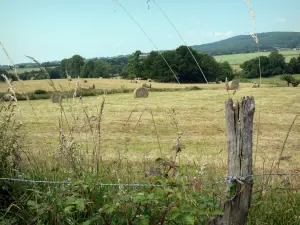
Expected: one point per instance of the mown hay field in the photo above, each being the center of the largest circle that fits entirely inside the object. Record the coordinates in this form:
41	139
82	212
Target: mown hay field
105	84
146	128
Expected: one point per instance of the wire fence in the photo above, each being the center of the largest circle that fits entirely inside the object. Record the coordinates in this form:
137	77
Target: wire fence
228	180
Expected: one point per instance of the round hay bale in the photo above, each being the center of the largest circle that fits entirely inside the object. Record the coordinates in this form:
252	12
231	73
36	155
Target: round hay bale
141	92
255	86
146	85
92	87
56	98
7	97
233	85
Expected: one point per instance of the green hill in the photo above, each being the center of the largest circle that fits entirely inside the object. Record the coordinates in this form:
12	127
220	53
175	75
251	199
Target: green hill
244	43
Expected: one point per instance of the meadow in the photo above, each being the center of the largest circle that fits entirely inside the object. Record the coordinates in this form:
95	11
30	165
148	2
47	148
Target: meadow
26	69
199	113
124	137
104	84
237	59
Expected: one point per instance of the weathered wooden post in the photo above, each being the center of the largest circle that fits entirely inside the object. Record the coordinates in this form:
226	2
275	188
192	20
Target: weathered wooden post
239	130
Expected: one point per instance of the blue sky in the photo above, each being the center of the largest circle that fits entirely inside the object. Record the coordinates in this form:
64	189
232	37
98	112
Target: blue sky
57	29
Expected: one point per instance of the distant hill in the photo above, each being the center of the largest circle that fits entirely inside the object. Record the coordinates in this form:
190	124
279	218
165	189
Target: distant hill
244	43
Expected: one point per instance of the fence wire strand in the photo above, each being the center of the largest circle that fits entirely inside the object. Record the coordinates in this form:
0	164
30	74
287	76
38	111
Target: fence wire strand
226	180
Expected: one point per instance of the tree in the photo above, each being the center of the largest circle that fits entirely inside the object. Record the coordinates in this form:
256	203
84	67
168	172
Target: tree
160	70
63	67
226	71
209	66
135	64
149	61
101	69
294	66
183	65
277	63
88	69
288	78
74	65
274	64
54	73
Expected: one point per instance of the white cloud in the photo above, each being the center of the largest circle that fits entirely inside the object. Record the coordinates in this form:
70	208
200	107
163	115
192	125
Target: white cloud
281	20
223	34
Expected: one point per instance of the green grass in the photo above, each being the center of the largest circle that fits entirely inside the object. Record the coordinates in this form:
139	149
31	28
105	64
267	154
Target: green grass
23	70
274	80
237	59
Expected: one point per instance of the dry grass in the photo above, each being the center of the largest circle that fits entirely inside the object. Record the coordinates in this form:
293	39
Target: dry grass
32	85
128	129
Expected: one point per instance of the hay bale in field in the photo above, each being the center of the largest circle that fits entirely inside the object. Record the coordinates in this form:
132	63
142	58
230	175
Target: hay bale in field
85	81
56	98
146	85
7	97
141	92
255	85
92	87
233	85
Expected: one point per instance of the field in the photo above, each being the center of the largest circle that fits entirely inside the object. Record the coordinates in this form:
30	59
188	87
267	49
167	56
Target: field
105	84
118	139
237	59
26	69
199	114
274	80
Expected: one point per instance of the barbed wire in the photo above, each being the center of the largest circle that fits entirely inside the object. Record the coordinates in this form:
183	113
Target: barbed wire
228	180
69	182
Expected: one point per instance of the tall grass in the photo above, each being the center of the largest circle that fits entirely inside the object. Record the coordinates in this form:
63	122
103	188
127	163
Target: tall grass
254	36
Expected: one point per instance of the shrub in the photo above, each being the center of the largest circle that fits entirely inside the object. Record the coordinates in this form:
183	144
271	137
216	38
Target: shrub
288	78
40	92
193	88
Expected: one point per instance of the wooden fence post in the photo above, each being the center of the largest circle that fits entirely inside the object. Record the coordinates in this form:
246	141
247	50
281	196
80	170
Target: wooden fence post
239	130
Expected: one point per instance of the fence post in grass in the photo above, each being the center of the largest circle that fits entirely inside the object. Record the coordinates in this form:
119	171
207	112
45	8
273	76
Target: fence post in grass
239	130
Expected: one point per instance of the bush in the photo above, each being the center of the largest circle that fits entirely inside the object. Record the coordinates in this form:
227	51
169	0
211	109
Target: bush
40	92
288	78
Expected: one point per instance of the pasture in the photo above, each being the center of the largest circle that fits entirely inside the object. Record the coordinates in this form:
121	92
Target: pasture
274	80
104	84
26	69
237	59
128	126
118	139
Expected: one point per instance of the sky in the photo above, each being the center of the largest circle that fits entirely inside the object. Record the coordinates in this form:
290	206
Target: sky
56	29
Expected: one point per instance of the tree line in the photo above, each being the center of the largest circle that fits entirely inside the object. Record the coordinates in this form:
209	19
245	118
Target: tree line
271	65
181	62
153	67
